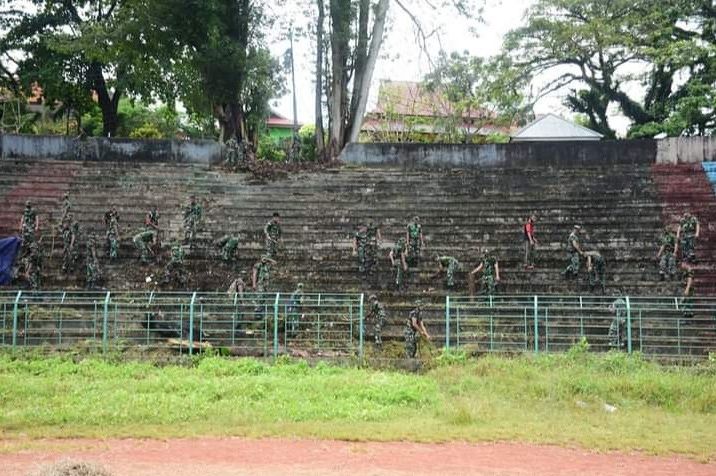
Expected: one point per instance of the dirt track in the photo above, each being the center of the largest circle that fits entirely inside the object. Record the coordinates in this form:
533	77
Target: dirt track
236	456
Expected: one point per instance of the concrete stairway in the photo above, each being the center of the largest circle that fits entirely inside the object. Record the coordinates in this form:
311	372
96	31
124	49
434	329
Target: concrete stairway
461	210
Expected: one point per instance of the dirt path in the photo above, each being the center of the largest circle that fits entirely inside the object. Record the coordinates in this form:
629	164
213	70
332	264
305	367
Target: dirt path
237	456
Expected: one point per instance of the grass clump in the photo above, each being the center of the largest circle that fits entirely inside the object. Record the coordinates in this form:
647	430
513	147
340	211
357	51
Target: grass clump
611	401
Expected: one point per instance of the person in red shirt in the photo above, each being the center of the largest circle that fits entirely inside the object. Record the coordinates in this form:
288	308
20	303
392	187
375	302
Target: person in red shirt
530	242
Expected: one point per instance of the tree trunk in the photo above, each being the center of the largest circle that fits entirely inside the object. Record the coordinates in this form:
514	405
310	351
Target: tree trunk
108	104
340	21
320	145
356	120
361	58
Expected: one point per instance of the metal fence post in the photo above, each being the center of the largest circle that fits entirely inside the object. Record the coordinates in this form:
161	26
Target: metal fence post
14	319
628	323
191	324
536	320
447	322
360	327
105	323
275	326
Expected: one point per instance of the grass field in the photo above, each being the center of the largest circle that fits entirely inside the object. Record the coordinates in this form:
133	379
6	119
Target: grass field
554	399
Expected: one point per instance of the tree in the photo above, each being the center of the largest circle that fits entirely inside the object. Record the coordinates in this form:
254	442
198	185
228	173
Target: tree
355	38
78	48
222	67
471	92
602	49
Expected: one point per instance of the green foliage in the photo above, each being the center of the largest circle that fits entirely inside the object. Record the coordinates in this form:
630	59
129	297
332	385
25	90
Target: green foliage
307	138
269	150
146	131
593	47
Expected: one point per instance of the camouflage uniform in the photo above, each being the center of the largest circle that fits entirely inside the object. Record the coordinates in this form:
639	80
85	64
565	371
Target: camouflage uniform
398	250
617	338
295	308
152	222
489	275
371	247
263	275
33	265
688	238
232	153
574	257
229	244
411	333
92	271
596	274
273	230
175	270
361	237
70	231
414	232
66	206
29	218
450	265
378	316
111	222
192	216
141	242
667	263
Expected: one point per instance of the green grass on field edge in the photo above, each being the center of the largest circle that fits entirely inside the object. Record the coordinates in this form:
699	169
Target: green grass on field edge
603	402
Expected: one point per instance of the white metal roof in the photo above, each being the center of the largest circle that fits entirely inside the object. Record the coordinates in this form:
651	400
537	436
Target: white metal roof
554	128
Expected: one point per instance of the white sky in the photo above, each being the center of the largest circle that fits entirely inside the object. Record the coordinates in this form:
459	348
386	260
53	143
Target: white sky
402	60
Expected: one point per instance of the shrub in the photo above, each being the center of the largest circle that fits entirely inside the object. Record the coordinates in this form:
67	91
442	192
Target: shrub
269	150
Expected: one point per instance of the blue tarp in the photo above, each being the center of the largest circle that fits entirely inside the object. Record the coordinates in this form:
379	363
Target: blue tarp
710	169
8	251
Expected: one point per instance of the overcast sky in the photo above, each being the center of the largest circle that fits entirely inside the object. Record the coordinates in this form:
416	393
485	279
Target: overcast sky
402	60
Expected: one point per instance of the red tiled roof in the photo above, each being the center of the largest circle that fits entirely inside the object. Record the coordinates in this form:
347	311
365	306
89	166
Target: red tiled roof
406	98
277	120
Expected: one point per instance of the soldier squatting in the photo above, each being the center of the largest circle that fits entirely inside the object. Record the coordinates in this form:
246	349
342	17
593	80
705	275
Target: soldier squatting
677	251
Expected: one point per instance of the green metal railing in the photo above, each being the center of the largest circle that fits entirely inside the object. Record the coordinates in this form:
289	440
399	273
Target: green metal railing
245	324
665	327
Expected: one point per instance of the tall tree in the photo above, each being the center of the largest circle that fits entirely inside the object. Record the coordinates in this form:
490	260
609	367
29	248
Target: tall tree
627	54
77	48
223	67
356	34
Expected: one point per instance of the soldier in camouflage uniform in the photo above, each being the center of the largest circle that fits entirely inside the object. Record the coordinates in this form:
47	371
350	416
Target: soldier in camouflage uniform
378	316
596	267
70	231
32	262
617	333
414	325
175	271
689	231
360	243
142	241
261	280
232	153
29	227
272	235
66	206
92	270
687	302
229	245
414	238
575	253
151	223
397	261
295	310
449	265
373	239
261	277
193	214
666	254
490	268
111	224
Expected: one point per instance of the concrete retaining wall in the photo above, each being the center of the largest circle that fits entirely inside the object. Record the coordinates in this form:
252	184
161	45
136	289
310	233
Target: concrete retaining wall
674	150
16	146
